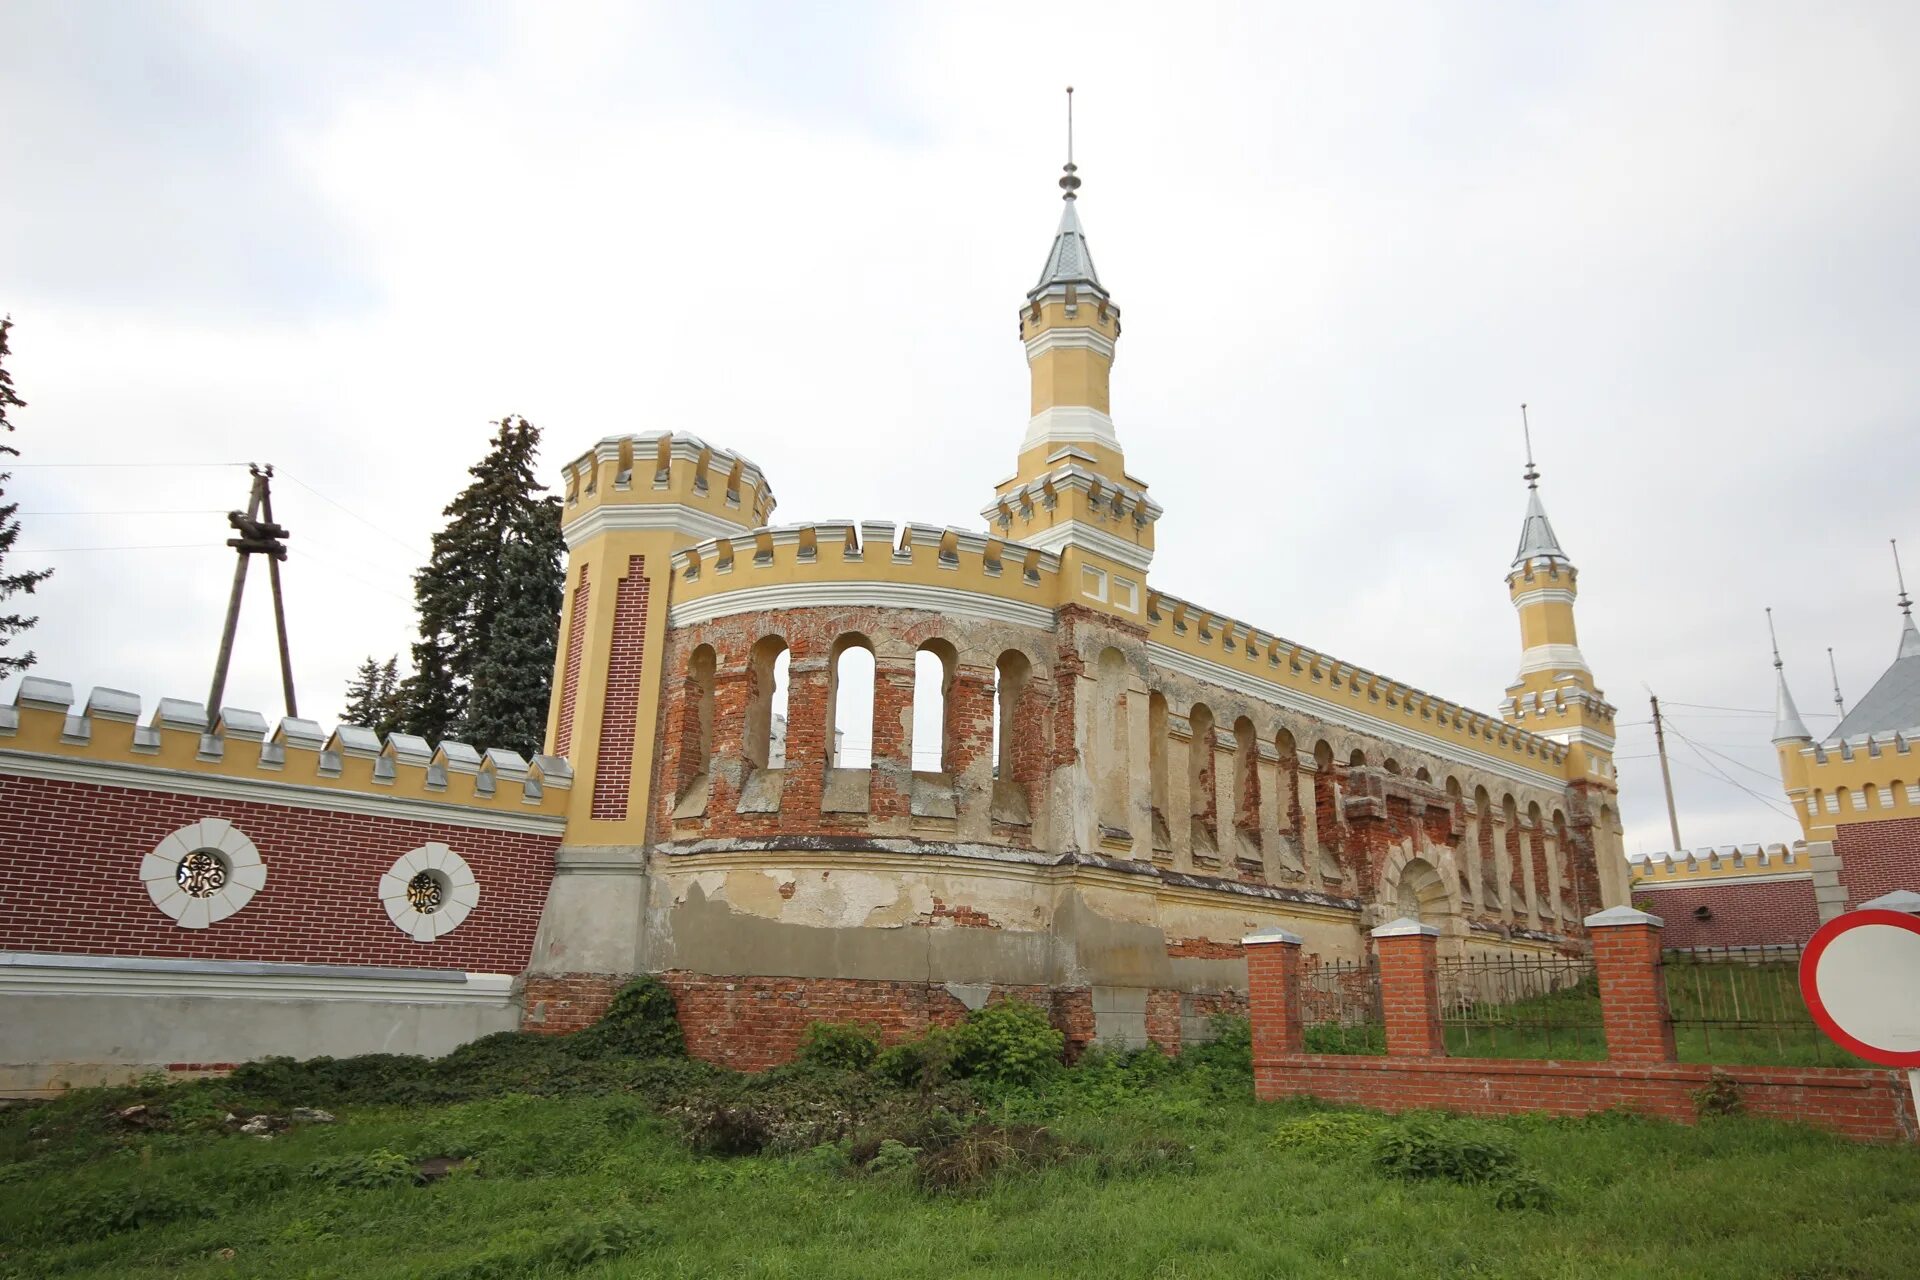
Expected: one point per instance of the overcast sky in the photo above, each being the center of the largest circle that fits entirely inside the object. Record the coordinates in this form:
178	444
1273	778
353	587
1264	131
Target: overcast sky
342	239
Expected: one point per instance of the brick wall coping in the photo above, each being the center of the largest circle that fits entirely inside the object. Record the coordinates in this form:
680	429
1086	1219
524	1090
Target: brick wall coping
1265	936
896	847
1616	917
1406	927
1846	1078
249	968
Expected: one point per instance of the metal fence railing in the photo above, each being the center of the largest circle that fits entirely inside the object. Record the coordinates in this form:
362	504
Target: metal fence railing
1341	1008
1521	1005
1743	1005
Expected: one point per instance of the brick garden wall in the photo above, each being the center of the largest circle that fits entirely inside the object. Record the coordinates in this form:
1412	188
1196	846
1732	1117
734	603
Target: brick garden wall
71	867
1753	914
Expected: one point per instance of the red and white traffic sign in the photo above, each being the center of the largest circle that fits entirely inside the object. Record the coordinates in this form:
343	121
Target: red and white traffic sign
1860	977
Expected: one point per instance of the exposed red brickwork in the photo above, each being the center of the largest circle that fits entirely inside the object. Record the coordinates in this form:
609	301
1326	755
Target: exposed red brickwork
1273	999
613	770
558	1005
570	680
1872	1106
892	741
962	915
1204	949
1410	995
1755	914
1878	857
1633	993
71	864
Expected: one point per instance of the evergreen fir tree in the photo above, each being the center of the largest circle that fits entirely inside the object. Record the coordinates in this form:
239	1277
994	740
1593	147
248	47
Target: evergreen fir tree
489	603
23	582
507	703
373	696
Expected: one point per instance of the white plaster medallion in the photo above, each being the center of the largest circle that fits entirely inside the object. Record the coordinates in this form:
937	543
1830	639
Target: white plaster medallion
428	892
203	873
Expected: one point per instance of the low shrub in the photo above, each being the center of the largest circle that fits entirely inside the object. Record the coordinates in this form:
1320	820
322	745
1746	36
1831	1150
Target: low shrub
572	1248
1457	1151
364	1170
1332	1134
983	1153
1229	1046
1522	1190
642	1022
1720	1096
1008	1042
921	1063
839	1046
109	1211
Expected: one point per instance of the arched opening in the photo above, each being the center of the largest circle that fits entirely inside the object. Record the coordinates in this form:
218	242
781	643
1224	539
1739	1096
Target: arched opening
1111	776
1463	858
695	732
1421	894
1358	760
1516	854
1392	766
1896	794
765	738
1288	776
933	668
1016	741
1870	795
850	704
1324	796
1203	808
1246	781
1157	768
1421	775
1489	862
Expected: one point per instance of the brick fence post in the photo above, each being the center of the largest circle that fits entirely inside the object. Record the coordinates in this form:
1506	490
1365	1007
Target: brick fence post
1633	990
1273	993
1410	988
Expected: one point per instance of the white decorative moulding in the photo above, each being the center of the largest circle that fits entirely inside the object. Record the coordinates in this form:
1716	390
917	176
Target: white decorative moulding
429	891
203	873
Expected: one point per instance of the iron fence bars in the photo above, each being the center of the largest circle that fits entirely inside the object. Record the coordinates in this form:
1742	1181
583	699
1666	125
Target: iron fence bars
1340	1007
1743	1005
1521	1005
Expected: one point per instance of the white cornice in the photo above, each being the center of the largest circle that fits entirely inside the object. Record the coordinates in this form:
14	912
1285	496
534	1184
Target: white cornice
1094	539
1701	882
1069	422
1280	695
1543	595
1553	657
1069	338
27	973
884	595
141	777
672	516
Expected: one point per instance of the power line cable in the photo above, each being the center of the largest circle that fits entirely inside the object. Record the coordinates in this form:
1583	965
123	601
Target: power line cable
386	533
1727	778
150	546
23	466
172	511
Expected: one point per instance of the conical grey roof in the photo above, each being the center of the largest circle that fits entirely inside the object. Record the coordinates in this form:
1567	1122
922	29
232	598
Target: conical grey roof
1787	724
1536	534
1893	704
1070	261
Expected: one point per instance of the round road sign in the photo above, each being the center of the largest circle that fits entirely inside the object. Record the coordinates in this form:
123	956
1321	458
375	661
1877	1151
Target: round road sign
1860	977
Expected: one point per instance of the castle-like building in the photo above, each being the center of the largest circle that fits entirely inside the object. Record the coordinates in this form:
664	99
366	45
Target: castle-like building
1856	795
1127	782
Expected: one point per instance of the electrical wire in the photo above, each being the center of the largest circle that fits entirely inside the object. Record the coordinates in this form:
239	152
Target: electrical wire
385	533
22	466
151	546
176	511
1729	779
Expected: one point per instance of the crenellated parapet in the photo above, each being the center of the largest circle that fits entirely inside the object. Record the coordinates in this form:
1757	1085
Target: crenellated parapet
662	480
1863	778
106	741
1724	864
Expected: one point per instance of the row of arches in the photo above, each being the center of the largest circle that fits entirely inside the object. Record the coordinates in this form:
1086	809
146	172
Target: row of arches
1866	799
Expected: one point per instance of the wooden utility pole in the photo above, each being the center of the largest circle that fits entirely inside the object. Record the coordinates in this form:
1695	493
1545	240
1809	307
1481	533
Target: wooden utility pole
259	535
1666	776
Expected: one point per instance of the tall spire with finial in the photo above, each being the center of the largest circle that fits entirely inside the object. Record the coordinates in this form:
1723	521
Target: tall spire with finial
1787	724
1069	262
1909	635
1537	541
1839	703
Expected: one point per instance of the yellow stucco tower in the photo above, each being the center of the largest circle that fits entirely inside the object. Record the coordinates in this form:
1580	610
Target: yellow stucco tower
1070	492
1554	694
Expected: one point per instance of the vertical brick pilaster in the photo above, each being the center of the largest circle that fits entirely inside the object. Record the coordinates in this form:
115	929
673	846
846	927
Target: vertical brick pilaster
1410	988
614	765
570	677
1633	991
969	739
1273	993
807	747
892	763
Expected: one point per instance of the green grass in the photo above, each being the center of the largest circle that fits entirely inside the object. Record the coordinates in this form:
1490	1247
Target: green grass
1162	1171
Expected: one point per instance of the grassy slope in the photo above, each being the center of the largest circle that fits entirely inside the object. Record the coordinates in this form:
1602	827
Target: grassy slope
1733	1198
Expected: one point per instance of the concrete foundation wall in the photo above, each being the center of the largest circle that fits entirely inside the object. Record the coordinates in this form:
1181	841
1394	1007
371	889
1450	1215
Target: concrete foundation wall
85	1020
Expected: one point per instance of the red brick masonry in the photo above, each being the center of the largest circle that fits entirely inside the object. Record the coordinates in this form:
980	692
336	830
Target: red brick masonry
1868	1105
1878	857
72	854
1756	913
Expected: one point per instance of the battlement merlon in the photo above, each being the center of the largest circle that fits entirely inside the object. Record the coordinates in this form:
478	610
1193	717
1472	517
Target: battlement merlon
662	480
180	748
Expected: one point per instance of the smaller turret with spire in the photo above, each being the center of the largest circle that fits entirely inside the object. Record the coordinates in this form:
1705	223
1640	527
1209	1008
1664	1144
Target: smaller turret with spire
1787	724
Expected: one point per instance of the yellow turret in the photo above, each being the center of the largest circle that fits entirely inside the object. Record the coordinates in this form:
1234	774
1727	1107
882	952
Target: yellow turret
1554	693
1070	491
